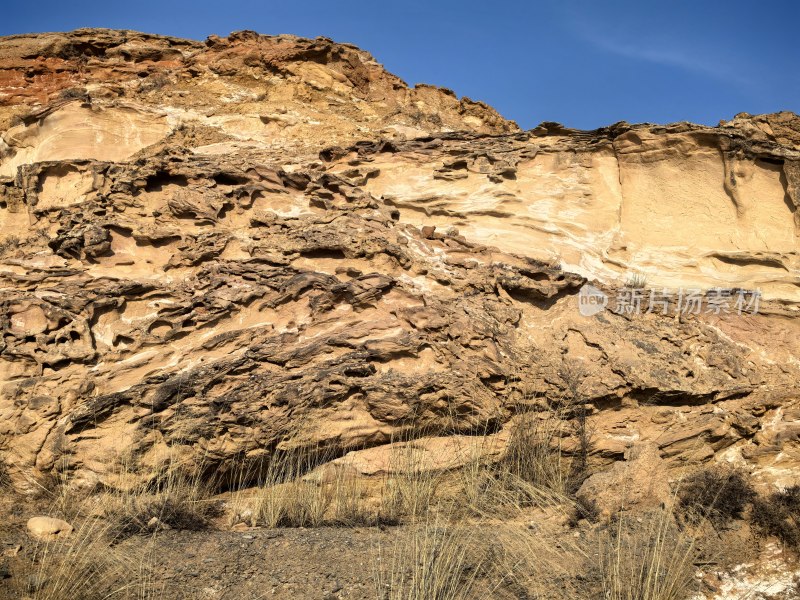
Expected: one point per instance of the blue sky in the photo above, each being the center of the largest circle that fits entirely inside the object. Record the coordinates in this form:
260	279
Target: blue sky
584	63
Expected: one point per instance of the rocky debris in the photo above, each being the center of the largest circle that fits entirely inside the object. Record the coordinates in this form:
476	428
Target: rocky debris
265	243
48	529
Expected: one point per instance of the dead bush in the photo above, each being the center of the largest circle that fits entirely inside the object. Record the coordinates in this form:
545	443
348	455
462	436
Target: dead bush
716	494
778	515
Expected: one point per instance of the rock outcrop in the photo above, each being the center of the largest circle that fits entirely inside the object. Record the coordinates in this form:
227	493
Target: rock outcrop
262	243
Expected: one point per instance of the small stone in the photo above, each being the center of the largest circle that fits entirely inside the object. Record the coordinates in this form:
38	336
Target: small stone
428	231
48	528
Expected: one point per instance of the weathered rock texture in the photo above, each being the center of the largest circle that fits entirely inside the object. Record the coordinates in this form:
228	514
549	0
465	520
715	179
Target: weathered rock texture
266	242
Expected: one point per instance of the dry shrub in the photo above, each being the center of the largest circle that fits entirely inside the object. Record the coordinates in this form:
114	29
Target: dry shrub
648	558
435	560
779	515
716	494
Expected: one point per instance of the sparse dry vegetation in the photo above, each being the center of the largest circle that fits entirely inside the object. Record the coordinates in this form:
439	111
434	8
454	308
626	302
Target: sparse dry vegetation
174	499
290	496
538	564
436	561
153	82
84	566
717	494
648	558
778	515
534	454
5	476
411	487
492	527
9	244
636	281
74	94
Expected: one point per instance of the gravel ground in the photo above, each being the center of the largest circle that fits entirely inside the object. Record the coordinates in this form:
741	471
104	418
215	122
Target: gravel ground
324	563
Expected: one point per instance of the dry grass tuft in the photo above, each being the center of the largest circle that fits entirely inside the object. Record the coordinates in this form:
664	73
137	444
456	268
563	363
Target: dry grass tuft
648	558
535	454
5	475
83	566
411	488
172	499
285	499
291	493
532	471
348	503
537	564
434	561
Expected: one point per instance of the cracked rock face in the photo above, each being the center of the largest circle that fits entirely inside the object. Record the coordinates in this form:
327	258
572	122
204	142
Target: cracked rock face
260	243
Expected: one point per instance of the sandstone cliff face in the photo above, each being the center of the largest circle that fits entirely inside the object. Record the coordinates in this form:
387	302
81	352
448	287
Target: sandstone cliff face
269	242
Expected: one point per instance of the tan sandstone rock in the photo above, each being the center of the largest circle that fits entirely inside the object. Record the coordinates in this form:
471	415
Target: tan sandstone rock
48	528
639	482
255	244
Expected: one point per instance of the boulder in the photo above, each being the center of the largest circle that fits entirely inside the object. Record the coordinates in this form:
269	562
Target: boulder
48	529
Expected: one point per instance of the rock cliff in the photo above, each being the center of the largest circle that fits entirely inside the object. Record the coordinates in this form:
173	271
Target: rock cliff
264	242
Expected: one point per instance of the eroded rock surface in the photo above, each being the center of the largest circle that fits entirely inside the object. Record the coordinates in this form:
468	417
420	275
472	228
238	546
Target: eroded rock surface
259	243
